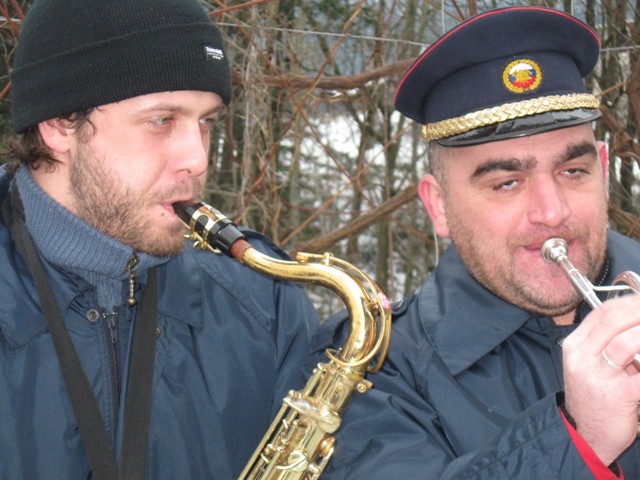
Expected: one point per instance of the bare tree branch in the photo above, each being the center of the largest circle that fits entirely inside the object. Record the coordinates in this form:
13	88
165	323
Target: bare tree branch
343	82
360	223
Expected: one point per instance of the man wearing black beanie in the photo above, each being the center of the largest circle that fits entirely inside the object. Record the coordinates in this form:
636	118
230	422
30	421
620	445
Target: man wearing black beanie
125	353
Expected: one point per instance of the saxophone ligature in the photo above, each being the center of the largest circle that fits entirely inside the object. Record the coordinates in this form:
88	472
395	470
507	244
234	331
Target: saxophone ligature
299	442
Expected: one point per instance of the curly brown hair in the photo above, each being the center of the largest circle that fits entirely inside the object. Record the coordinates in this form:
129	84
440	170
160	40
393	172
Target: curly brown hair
29	148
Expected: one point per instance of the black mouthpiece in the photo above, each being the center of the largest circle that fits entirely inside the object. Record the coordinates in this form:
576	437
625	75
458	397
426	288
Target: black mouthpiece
209	225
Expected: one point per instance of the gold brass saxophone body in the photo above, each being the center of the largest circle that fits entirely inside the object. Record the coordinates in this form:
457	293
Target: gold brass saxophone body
299	442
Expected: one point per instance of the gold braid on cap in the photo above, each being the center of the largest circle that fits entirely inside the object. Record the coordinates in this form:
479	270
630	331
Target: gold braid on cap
509	111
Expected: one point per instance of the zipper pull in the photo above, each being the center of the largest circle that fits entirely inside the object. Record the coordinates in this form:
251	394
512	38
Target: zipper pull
131	265
111	319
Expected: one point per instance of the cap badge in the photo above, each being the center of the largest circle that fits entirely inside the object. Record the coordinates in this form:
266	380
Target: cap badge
522	75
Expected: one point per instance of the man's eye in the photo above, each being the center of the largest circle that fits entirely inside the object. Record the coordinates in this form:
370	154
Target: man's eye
575	172
161	121
506	185
209	121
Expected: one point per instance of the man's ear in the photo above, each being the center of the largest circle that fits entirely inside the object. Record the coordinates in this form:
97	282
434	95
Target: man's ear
604	161
56	134
433	200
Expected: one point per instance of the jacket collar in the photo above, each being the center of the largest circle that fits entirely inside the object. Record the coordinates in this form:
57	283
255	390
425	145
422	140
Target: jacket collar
457	311
21	316
180	294
21	320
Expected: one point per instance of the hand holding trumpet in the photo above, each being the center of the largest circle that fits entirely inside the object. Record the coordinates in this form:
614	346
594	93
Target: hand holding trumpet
601	361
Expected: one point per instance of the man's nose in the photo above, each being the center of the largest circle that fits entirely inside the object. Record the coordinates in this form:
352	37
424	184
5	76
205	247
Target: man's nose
192	151
548	203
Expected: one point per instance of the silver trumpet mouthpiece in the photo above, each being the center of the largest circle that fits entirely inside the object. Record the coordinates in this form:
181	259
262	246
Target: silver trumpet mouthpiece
554	249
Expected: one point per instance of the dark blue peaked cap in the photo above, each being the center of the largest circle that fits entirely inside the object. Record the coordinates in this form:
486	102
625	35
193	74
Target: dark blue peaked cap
503	73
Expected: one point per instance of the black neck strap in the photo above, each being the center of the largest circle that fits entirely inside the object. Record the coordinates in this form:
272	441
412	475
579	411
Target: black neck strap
93	433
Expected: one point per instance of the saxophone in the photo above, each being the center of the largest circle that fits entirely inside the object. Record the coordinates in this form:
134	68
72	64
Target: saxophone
299	442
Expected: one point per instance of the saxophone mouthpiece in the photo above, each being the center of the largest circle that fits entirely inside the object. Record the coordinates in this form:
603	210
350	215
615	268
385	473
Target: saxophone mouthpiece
208	226
185	211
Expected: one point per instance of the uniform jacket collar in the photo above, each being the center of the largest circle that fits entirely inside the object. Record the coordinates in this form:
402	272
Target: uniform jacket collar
463	319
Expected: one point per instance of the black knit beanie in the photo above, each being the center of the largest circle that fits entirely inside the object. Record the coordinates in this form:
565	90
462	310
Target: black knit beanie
77	54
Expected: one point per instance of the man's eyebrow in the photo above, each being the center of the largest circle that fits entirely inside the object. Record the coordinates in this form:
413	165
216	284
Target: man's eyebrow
173	108
576	151
507	165
518	165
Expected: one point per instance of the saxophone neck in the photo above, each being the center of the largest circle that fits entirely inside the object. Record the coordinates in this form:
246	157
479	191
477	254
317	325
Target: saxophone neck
367	305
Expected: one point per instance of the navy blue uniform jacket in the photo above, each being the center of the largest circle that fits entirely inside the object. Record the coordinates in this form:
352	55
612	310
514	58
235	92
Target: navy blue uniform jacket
469	389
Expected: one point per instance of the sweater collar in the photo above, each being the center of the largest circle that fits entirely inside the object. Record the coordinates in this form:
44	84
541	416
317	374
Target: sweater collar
69	242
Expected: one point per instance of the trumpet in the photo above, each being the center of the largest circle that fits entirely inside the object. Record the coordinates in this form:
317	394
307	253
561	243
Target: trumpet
555	250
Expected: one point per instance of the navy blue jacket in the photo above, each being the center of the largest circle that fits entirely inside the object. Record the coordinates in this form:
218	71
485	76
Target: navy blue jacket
231	343
469	390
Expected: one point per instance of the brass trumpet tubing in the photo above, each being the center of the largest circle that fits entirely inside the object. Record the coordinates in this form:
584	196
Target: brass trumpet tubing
555	250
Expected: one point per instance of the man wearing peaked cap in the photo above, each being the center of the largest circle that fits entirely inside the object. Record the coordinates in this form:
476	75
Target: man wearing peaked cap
524	78
124	352
497	368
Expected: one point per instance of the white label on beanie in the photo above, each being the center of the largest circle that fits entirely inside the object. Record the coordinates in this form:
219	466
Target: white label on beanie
213	53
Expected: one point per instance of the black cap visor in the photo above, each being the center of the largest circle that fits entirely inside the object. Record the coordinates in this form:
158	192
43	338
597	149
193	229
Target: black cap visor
522	127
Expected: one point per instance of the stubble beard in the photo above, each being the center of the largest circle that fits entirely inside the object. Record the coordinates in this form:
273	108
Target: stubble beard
120	212
497	270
